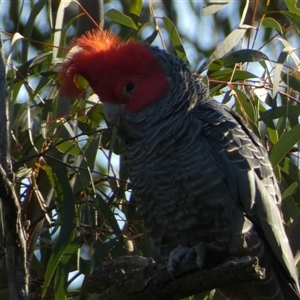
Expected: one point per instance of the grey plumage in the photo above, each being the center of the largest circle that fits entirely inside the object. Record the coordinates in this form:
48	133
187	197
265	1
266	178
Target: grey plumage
201	178
199	174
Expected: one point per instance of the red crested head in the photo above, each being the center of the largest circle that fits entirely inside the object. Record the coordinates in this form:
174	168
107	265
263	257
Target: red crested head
119	72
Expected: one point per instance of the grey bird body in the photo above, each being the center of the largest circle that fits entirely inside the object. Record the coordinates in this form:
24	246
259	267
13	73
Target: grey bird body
201	178
200	175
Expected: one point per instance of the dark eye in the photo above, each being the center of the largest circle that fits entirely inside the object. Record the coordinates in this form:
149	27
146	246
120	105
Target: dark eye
129	87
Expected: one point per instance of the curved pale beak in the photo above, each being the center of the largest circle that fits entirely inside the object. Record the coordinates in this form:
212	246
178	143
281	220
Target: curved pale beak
113	112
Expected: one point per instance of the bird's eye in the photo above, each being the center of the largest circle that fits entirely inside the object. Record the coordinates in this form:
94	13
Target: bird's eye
129	87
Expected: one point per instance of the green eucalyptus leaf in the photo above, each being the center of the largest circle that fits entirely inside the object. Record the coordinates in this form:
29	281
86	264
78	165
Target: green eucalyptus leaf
69	147
285	144
136	7
292	6
175	38
66	213
213	7
242	56
290	190
121	18
272	23
231	41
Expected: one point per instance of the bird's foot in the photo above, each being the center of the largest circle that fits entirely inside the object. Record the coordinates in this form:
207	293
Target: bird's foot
197	254
184	258
175	257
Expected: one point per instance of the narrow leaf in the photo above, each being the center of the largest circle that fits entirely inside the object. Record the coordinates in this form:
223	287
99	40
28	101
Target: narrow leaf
271	128
290	190
90	150
17	36
136	7
291	51
213	7
231	40
29	27
23	172
291	81
290	169
272	23
86	124
226	75
285	144
292	6
289	209
149	40
23	70
64	267
59	24
120	18
281	111
175	38
244	55
69	147
108	215
39	59
66	210
215	66
277	73
34	11
245	106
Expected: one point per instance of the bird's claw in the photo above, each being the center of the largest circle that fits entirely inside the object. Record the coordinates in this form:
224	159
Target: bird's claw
197	253
175	257
192	256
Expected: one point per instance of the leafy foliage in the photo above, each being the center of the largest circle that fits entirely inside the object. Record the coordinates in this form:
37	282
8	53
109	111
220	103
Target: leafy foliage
71	178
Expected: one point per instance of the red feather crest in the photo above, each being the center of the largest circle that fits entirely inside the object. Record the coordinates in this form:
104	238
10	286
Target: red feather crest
80	55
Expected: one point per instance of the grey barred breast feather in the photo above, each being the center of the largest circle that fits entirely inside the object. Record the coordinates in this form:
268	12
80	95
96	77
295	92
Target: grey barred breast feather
199	174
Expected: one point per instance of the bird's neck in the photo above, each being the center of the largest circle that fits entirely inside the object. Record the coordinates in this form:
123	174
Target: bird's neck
154	126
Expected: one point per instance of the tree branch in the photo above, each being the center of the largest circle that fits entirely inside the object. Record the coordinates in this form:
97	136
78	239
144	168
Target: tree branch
138	278
14	240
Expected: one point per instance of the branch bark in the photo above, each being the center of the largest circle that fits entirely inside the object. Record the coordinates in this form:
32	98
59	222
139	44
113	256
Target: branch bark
14	239
138	278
